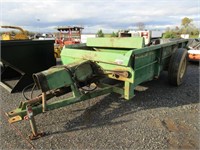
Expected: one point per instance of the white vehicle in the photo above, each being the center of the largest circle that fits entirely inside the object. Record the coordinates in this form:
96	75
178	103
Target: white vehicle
149	36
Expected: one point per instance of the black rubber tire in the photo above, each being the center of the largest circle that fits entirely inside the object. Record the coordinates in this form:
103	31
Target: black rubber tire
177	67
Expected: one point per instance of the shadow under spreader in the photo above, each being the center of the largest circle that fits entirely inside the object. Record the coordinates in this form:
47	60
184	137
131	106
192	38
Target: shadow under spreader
159	94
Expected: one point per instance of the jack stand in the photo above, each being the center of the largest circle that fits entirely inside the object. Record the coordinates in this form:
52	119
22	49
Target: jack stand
35	135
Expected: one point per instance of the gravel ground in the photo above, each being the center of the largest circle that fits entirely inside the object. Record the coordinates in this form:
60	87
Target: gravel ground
163	117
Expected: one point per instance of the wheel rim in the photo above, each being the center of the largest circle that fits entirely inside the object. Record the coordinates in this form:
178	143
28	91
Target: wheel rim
182	69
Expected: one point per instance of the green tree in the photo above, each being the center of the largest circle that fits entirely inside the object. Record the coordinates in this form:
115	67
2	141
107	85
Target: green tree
187	27
114	34
184	30
170	34
195	32
100	33
185	22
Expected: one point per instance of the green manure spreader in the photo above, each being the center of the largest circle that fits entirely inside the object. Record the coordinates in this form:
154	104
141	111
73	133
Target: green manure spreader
89	70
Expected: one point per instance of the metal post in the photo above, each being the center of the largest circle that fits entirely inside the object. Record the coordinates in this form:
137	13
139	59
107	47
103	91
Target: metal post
33	126
43	101
31	119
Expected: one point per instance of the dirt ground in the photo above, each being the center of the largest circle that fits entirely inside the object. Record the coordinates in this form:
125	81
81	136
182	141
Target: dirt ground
162	117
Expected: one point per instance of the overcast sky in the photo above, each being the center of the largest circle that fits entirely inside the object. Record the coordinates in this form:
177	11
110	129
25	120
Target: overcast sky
108	15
